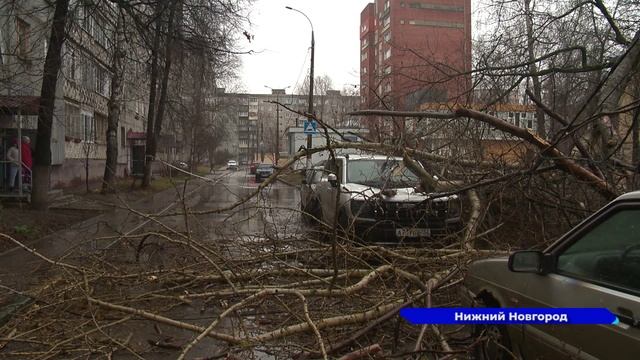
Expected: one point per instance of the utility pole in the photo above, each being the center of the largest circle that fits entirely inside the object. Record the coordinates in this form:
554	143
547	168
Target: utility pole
310	111
262	141
277	129
310	136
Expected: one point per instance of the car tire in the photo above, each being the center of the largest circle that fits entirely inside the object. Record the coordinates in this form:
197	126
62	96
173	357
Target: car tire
310	213
496	344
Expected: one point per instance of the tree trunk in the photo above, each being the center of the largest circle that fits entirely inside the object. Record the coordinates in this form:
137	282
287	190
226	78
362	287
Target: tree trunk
635	149
111	166
152	141
52	64
611	93
151	114
87	154
533	69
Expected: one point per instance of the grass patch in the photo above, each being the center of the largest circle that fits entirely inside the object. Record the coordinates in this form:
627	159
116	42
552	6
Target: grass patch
24	230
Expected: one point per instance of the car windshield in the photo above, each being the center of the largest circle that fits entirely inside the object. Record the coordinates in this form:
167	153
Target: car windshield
264	166
379	172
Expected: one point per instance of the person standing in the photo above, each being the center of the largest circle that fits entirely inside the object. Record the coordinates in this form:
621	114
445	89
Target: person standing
13	156
27	160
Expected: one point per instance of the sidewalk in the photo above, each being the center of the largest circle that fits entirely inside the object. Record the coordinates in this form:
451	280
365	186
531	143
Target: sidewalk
22	271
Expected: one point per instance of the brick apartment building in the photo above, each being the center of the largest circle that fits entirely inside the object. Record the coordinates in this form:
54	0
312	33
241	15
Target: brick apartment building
414	52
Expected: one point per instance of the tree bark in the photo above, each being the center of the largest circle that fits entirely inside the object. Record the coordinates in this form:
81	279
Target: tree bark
111	166
533	69
611	93
546	149
52	64
151	113
154	131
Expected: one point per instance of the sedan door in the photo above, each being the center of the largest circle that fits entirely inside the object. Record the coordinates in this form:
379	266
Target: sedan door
597	266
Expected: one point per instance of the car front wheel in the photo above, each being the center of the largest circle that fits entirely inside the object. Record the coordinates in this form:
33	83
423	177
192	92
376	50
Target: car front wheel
311	212
492	340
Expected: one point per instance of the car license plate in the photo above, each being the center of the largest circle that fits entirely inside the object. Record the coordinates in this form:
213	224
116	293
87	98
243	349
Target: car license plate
412	233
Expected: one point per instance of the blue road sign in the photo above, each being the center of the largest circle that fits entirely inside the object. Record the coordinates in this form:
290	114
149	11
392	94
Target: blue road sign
310	127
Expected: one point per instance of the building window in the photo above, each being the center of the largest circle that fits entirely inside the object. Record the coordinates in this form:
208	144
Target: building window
123	137
89	123
402	22
364	70
386	21
386	5
103	81
387	70
70	63
100	130
100	31
23	29
364	56
387	36
72	126
88	73
365	43
387	54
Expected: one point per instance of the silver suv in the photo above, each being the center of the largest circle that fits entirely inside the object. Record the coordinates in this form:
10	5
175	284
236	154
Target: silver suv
377	199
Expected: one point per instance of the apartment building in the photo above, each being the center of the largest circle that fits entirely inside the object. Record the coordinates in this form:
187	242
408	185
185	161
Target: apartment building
262	126
80	115
414	51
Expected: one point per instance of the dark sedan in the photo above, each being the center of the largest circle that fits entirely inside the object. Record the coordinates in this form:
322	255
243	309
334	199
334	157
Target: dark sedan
263	171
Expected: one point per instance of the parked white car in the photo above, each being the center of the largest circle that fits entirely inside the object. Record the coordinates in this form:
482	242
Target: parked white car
232	165
378	199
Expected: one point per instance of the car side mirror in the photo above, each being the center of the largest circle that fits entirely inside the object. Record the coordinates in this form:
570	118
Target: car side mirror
529	261
333	180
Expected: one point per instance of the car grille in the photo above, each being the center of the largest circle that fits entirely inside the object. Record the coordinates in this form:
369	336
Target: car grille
402	213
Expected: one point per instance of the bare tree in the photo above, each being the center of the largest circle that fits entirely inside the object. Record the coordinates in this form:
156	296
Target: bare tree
52	65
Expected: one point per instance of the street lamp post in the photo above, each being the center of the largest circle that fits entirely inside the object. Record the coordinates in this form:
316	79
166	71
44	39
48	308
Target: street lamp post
309	136
277	119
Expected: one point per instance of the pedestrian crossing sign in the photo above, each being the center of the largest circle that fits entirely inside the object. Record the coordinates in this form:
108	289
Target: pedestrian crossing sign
310	127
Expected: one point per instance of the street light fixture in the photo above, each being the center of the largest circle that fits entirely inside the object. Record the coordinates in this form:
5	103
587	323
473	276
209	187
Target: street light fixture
310	111
277	120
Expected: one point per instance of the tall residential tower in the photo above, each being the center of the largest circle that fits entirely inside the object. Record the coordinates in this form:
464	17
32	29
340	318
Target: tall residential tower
413	52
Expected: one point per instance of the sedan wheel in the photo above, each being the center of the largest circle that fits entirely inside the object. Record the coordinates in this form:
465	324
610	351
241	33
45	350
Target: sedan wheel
311	213
493	343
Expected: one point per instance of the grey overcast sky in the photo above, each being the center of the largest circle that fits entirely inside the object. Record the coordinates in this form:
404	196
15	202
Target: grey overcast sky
283	38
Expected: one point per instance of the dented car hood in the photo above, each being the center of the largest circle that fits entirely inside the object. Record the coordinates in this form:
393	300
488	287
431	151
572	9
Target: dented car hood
409	194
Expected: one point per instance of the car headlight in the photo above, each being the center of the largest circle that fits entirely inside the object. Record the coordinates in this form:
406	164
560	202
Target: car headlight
454	206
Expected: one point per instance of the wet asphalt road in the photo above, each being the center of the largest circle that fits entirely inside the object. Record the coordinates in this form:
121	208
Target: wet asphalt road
265	212
269	214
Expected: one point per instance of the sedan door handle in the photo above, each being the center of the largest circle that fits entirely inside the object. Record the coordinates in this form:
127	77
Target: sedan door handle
626	316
